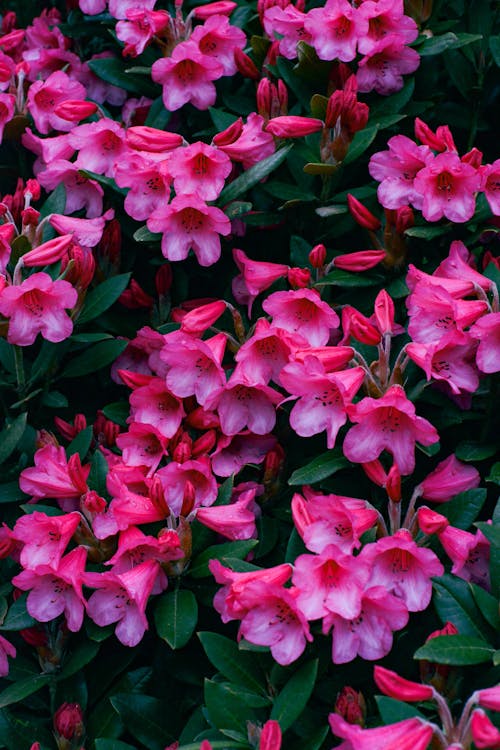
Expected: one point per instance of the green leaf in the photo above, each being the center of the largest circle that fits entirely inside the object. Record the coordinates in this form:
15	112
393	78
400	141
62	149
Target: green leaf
226	708
22	688
146	718
55	203
78	658
19	734
98	473
339	277
469	450
252	176
495	49
117	412
10	493
392	710
496	658
94	358
112	70
488	605
426	232
238	666
457	650
435	45
225	491
144	235
221	119
361	141
492	533
11	435
101	298
176	615
105	744
55	400
293	698
319	468
463	510
216	745
286	192
81	443
199	567
454	603
237	208
17	616
494	475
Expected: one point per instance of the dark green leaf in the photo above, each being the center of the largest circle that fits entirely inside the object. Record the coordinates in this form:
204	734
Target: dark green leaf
19	734
494	475
252	176
117	412
487	604
113	71
199	568
454	603
435	45
144	235
98	473
392	710
176	615
426	232
457	650
339	277
55	400
495	49
22	688
286	192
225	707
225	491
492	533
221	119
146	718
463	510
10	492
101	298
293	698
237	208
55	203
94	358
319	468
11	435
105	744
17	616
472	451
81	443
78	658
360	142
238	666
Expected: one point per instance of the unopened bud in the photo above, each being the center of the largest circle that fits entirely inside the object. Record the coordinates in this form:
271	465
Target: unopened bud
270	738
198	320
246	65
182	451
405	219
359	326
30	217
351	706
362	215
484	733
375	472
361	260
384	312
49	252
68	721
391	684
474	157
431	522
199	419
230	134
145	138
188	498
163	279
219	8
299	278
293	126
82	269
204	444
92	502
317	256
74	110
393	484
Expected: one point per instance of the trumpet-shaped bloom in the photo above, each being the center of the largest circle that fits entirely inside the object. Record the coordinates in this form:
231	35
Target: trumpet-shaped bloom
409	734
187	76
302	312
199	169
448	187
45	537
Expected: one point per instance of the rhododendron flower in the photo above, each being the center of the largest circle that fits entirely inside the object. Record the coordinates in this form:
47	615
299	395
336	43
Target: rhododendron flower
369	634
396	169
450	477
53	476
187	76
457	266
139	28
288	24
388	423
391	684
243	403
335	30
149	184
484	733
303	312
122	598
87	232
250	145
235	521
403	568
487	331
409	734
142	445
44	538
434	313
7	232
43	96
448	187
386	18
199	169
217	38
451	360
189	223
228	601
7	109
490	180
233	453
195	367
100	145
38	305
119	8
81	191
264	355
6	649
197	474
56	589
134	548
154	404
383	69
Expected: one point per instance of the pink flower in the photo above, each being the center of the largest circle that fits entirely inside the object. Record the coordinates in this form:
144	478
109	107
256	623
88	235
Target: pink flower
487	332
56	589
153	404
233	453
490	177
451	360
255	277
287	24
396	169
434	313
403	568
369	634
87	232
53	476
335	30
458	266
139	28
234	521
187	76
7	232
81	192
37	305
189	223
122	598
195	366
448	187
100	145
149	184
386	19
391	684
6	649
382	70
180	480
142	445
7	109
251	144
450	477
45	538
228	600
199	169
409	734
263	356
303	312
43	96
134	548
388	423
484	733
243	404
218	39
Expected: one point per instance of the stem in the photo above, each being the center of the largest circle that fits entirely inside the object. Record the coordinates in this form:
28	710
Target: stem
411	507
394	516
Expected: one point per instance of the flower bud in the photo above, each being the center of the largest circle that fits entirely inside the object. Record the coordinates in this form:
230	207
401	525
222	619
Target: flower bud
188	499
484	732
384	312
489	698
246	65
317	256
391	684
230	134
182	451
163	279
135	298
299	278
405	219
92	502
49	252
198	320
134	379
204	444
293	126
351	706
30	217
375	471
393	484
431	522
449	478
74	110
77	474
145	138
199	419
219	8
359	326
362	260
68	721
32	189
82	269
9	42
362	215
270	738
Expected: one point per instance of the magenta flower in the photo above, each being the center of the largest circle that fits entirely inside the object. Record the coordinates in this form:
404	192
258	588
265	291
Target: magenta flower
195	366
199	169
386	19
396	169
53	476
56	589
100	145
187	76
251	144
81	192
451	360
302	312
288	25
189	223
7	109
87	232
38	305
490	176
153	404
6	649
264	355
218	39
409	734
122	598
450	477
233	453
43	96
388	423
45	538
449	188
234	521
335	30
149	184
245	404
383	69
403	568
487	332
193	476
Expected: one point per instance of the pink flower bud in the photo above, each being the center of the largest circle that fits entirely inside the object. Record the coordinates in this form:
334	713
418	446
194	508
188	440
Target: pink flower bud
431	522
145	138
77	474
489	698
270	738
293	126
362	215
93	503
49	252
397	687
74	110
299	278
441	140
134	379
317	256
68	721
405	219
484	732
474	157
375	471
230	134
384	312
135	298
204	444
359	326
351	706
219	8
362	260
82	271
33	188
246	65
9	42
264	97
188	499
449	478
198	320
393	484
200	419
182	451
30	217
163	279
